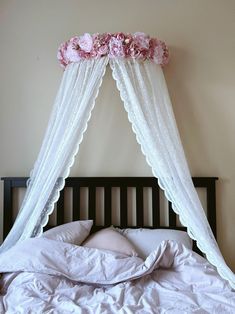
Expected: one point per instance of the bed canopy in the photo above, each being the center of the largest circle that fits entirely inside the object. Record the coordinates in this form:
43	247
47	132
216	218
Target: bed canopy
136	62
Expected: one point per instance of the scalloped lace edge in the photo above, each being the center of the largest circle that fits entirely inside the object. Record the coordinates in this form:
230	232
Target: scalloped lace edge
222	272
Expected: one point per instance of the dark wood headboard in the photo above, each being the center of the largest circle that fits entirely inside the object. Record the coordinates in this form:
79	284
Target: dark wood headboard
107	183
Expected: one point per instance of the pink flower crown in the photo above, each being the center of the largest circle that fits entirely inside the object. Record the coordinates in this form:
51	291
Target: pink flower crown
118	45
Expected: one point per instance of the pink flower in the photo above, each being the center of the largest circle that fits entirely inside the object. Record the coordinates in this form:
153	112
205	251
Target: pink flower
116	48
101	43
61	54
103	50
86	55
158	54
119	36
105	38
141	40
72	55
128	39
166	53
85	42
161	54
133	50
72	51
94	54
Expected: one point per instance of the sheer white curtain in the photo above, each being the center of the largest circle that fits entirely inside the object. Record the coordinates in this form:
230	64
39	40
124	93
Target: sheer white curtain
71	112
144	93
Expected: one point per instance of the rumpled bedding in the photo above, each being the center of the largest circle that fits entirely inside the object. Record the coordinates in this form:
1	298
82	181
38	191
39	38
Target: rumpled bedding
46	276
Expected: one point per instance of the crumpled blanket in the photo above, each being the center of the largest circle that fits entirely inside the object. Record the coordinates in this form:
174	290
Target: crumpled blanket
46	276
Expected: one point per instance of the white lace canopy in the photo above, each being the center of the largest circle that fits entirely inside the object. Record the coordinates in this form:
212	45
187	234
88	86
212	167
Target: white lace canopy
136	62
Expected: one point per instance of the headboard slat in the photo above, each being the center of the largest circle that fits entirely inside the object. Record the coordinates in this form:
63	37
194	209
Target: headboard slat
139	207
8	207
107	206
123	206
155	207
60	209
92	203
76	203
211	205
172	216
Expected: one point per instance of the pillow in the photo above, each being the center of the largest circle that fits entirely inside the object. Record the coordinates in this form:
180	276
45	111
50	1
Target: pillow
146	240
73	232
110	239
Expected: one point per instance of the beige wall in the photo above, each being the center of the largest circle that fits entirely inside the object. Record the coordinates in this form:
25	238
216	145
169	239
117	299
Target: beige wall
200	78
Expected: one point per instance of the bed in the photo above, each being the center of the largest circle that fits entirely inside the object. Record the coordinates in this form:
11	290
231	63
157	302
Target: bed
118	263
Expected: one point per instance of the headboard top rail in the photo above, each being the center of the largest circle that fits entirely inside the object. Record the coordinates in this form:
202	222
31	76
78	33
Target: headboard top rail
118	181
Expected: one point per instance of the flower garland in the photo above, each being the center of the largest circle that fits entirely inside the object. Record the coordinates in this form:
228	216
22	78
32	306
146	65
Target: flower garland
118	45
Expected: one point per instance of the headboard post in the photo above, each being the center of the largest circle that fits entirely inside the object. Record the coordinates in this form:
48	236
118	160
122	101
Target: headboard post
8	208
211	205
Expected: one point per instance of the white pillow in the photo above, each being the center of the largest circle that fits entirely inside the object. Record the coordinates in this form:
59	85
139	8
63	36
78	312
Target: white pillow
110	239
147	240
73	232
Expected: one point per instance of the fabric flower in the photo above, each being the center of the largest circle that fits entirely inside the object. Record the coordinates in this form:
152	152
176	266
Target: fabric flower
119	36
103	50
61	54
116	48
101	43
134	50
71	52
85	42
141	40
161	55
158	54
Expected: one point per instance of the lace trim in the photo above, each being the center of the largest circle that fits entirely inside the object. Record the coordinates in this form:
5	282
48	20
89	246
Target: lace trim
224	273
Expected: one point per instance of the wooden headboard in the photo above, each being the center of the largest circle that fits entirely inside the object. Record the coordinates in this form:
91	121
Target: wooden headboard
108	183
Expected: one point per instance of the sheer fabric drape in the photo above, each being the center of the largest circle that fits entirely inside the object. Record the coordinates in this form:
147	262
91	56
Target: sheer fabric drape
71	112
144	93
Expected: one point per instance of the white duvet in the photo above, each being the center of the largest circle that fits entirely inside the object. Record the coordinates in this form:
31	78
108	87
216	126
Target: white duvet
47	276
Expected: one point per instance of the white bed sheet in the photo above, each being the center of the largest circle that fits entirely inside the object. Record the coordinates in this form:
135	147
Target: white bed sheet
47	276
